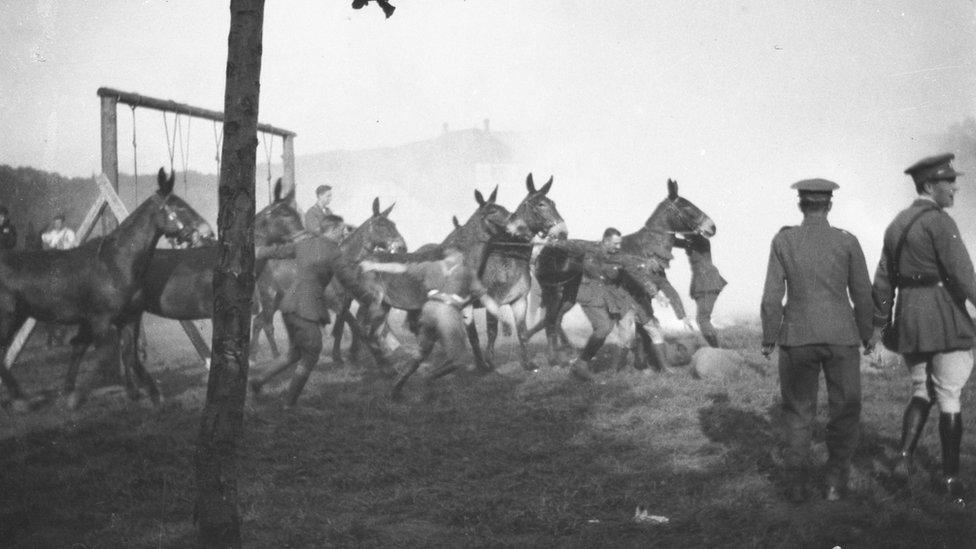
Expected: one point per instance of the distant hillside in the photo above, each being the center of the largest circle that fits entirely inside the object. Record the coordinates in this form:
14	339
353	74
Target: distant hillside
429	180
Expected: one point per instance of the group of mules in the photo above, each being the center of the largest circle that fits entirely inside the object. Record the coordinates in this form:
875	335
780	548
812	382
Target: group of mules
105	285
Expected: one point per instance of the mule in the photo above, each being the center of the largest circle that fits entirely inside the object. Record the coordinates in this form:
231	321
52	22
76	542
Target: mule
559	272
489	223
506	271
91	285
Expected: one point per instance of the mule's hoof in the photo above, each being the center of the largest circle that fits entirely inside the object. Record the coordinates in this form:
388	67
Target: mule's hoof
20	406
73	400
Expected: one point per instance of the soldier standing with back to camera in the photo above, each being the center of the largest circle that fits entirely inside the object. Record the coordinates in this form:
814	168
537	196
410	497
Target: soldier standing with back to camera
821	269
925	260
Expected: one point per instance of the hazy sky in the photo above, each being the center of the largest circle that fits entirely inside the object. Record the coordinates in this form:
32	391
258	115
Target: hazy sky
735	99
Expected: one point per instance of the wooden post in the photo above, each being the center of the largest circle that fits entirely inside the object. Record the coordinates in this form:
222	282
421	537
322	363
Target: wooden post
110	154
288	164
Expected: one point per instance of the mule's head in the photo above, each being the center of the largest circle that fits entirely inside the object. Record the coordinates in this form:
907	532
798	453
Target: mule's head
174	218
494	218
538	213
278	222
676	214
378	233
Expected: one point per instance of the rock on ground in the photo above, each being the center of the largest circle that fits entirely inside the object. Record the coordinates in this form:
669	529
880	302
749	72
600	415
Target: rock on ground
718	364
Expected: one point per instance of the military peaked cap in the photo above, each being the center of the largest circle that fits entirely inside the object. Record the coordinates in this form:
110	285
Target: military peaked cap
815	190
933	168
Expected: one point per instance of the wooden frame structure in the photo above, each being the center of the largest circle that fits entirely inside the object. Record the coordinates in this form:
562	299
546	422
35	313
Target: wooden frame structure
108	186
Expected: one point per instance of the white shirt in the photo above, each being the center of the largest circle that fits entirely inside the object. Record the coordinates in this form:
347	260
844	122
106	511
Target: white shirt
55	239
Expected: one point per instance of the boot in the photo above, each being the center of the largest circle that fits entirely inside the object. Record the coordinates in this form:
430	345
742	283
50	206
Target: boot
916	414
580	370
950	433
295	386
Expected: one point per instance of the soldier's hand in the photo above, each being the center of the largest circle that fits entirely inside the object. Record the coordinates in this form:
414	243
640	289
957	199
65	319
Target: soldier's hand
871	344
767	349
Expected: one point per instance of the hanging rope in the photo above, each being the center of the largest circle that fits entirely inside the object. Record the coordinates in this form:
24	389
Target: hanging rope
218	140
170	144
267	153
185	156
135	163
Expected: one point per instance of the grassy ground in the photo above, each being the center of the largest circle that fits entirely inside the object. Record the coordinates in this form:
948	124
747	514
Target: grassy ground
508	459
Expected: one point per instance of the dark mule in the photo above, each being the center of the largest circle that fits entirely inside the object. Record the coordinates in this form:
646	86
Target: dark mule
559	272
378	233
179	284
491	222
506	271
90	285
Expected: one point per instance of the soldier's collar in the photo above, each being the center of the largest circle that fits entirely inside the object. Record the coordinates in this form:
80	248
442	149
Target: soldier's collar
815	220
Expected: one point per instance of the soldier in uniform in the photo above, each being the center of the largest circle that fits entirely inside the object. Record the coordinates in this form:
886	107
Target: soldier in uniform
315	216
706	282
451	286
304	307
925	260
817	267
614	284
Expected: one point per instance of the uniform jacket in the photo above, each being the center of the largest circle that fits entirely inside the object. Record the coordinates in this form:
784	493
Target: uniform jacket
314	218
8	235
316	260
456	287
821	270
929	315
705	277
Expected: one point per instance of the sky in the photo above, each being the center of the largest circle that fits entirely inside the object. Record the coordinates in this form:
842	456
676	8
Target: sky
734	99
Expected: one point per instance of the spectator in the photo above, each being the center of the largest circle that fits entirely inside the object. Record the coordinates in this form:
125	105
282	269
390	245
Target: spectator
8	233
315	216
59	236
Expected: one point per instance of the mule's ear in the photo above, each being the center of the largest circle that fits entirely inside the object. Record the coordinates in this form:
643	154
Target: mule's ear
376	206
672	189
529	184
277	191
386	212
493	195
165	185
457	224
479	198
545	188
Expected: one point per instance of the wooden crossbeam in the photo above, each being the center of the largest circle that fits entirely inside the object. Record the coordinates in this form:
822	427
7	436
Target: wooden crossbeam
106	197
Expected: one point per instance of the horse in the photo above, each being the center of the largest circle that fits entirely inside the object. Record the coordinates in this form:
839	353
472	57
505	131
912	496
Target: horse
90	285
506	271
489	223
378	233
559	272
179	286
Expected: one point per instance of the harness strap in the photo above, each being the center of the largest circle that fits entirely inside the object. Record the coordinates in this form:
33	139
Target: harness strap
895	257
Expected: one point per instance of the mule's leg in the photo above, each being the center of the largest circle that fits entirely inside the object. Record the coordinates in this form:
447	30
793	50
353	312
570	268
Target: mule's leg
139	367
79	344
519	310
9	324
269	327
374	317
479	359
427	338
127	358
491	328
337	328
104	338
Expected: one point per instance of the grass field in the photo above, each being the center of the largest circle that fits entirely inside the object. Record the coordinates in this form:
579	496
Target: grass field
507	459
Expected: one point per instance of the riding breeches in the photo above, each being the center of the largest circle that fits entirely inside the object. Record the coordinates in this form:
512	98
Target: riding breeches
940	375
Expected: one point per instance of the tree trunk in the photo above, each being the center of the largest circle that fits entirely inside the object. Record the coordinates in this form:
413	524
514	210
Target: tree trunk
216	511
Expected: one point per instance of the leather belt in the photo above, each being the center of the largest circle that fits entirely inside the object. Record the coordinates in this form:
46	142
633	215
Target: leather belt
920	281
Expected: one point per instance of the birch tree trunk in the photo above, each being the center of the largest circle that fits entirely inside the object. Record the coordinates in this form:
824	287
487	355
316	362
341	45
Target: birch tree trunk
216	510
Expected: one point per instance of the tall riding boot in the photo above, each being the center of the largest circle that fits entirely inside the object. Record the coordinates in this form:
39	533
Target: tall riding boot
295	386
657	357
916	414
950	432
580	368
